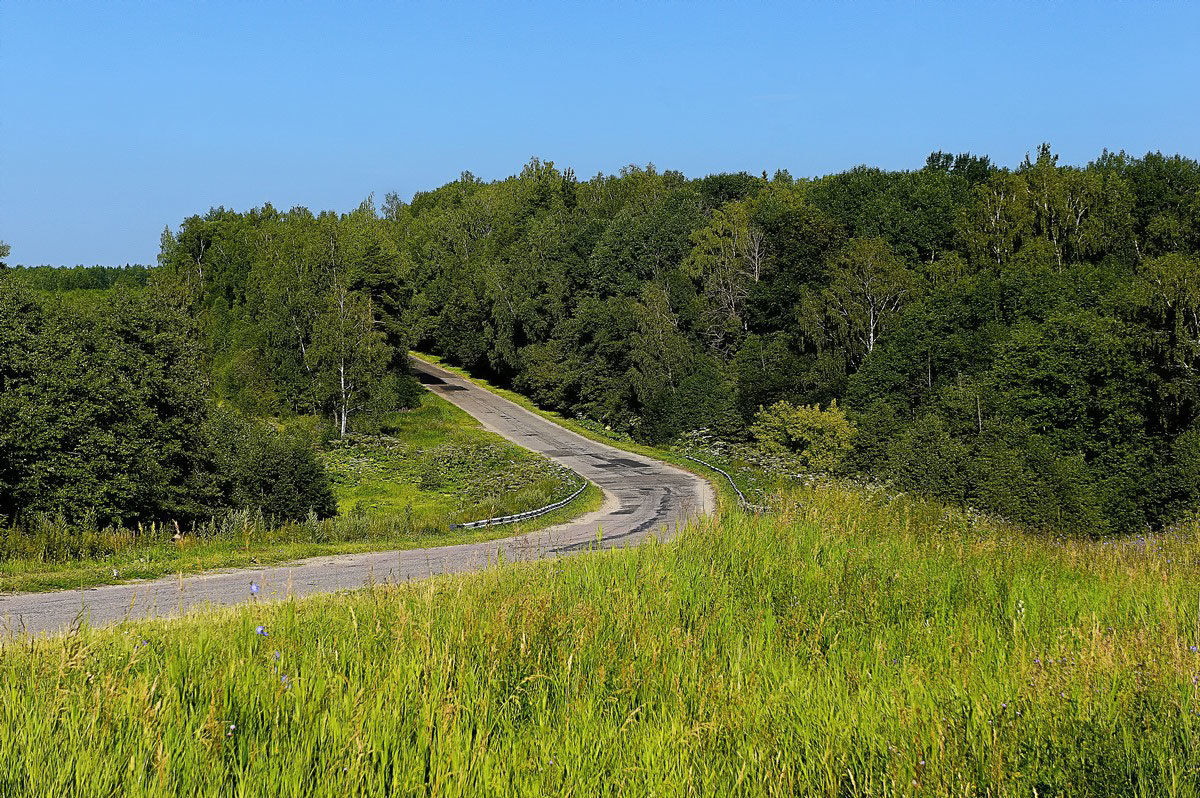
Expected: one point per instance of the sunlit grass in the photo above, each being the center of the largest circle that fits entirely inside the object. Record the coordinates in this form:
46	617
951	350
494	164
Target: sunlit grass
853	644
437	462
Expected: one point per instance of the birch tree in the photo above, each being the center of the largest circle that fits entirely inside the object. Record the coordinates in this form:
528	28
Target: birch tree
729	257
350	351
868	287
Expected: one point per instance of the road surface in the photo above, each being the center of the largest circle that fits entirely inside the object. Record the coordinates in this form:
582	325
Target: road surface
642	497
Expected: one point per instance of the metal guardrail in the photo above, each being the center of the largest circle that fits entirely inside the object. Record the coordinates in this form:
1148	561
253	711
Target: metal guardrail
758	508
525	516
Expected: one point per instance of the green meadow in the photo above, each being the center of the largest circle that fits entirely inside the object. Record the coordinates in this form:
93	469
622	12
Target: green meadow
853	643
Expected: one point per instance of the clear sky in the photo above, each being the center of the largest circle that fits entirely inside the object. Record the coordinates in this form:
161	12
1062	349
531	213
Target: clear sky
119	118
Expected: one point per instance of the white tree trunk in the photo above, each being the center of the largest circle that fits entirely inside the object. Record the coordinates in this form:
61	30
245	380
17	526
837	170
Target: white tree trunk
345	399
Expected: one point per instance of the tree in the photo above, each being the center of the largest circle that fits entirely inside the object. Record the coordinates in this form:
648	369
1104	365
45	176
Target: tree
998	219
649	236
102	410
868	285
1080	212
349	353
800	239
1174	281
729	258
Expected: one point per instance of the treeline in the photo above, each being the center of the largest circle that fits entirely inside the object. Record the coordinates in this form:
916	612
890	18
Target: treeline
1024	340
106	419
82	278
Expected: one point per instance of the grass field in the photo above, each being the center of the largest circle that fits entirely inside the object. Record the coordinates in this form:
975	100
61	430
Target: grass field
435	466
852	644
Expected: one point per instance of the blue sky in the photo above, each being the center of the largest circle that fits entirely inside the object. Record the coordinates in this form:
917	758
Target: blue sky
119	118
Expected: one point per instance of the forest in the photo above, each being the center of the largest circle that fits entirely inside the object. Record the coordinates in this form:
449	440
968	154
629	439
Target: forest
1023	341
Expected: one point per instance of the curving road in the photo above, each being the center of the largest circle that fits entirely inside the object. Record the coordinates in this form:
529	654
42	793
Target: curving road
642	497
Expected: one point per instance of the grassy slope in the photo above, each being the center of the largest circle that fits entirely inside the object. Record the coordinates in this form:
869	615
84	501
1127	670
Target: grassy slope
437	462
407	495
852	644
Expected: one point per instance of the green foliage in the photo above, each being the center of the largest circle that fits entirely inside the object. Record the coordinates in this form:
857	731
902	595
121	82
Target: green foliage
819	439
102	410
301	313
80	278
941	306
868	285
430	467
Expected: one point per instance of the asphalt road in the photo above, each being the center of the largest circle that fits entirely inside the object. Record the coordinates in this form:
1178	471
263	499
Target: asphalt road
642	497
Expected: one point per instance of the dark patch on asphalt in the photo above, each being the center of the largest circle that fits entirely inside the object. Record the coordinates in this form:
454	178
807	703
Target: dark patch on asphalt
625	462
429	379
626	511
452	388
659	519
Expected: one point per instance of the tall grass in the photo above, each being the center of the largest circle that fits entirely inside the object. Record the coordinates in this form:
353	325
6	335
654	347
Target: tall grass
854	644
50	540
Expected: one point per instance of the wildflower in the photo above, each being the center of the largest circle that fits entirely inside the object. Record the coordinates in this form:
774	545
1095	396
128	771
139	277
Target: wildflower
261	630
114	573
276	656
254	588
1194	649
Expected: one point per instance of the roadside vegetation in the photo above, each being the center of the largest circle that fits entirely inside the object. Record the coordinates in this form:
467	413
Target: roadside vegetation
429	467
855	642
435	462
589	428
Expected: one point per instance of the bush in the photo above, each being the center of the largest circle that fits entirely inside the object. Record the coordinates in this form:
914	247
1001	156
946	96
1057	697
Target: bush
275	472
926	457
819	439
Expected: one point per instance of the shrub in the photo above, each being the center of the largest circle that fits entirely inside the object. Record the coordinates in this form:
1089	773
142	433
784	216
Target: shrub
275	472
820	439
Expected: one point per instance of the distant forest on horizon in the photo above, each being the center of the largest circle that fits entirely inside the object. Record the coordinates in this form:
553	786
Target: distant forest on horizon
1023	340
